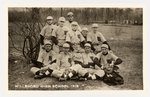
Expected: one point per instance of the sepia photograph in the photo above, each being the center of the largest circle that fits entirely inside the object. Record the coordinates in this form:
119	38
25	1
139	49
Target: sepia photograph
75	48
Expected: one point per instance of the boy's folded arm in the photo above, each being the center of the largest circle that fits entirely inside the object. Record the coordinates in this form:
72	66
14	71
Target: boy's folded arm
96	61
118	61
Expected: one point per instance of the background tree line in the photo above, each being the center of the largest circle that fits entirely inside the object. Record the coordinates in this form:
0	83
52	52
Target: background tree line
82	15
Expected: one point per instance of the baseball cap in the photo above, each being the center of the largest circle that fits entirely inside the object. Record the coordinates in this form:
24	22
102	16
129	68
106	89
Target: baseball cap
84	29
74	23
104	46
87	45
62	19
46	42
94	25
66	45
70	14
49	18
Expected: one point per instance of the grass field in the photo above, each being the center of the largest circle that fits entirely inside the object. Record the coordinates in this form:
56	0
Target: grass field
125	41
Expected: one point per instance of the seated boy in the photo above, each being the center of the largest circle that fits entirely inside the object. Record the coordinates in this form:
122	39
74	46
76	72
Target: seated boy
109	63
46	57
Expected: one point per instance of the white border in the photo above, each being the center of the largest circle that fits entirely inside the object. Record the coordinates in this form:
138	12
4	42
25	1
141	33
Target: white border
70	3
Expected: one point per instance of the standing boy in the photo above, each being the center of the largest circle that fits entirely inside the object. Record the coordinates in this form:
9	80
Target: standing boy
96	38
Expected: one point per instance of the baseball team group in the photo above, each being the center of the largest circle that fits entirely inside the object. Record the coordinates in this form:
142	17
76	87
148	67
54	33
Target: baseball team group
69	52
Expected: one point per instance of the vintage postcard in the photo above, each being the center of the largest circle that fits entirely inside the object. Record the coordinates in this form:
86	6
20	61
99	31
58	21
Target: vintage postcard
75	48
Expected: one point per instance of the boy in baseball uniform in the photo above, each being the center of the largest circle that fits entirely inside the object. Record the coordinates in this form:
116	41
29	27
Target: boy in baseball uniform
109	63
68	66
46	57
75	38
85	32
63	64
70	19
47	30
96	38
59	34
95	72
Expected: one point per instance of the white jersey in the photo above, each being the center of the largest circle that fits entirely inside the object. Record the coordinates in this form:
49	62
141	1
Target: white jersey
94	37
105	60
60	34
75	37
77	57
88	57
47	30
85	58
64	61
46	57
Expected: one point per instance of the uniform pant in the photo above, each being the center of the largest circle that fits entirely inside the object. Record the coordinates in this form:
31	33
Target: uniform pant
79	69
35	69
98	72
57	71
82	71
